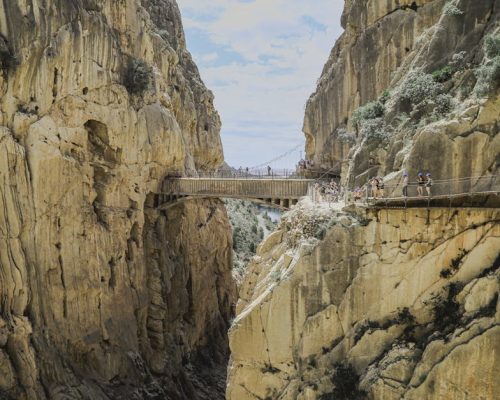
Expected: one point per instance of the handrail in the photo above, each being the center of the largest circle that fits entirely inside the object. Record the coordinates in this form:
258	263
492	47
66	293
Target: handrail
439	188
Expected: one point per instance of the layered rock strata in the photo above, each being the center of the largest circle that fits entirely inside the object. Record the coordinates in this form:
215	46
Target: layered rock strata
101	295
384	304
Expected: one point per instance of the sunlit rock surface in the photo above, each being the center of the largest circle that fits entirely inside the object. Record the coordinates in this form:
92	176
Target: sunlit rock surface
408	299
101	295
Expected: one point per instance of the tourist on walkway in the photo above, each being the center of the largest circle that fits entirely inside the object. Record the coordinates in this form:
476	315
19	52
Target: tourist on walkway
374	185
269	170
428	183
380	186
420	184
406	180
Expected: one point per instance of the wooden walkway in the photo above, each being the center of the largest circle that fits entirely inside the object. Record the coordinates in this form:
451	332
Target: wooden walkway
280	193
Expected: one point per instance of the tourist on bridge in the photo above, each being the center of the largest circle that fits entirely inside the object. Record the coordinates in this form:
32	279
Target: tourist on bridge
420	184
269	170
405	182
428	183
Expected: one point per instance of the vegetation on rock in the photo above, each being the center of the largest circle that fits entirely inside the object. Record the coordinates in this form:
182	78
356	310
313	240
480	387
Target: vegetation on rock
488	74
138	76
250	224
345	381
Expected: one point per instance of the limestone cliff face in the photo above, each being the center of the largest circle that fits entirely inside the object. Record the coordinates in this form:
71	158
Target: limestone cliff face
364	304
387	47
390	304
101	295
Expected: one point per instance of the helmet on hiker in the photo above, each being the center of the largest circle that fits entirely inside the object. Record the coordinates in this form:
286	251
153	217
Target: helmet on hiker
420	174
405	174
428	174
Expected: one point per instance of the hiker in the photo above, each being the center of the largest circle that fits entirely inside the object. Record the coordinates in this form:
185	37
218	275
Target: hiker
380	186
421	184
358	193
428	183
406	180
374	185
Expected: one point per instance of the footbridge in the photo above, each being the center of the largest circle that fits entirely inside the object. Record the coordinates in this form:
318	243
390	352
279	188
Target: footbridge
273	191
284	192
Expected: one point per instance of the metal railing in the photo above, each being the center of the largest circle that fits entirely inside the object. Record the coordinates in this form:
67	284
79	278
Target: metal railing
439	189
240	188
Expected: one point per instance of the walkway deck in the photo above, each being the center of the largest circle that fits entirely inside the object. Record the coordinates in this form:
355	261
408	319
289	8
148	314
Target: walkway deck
281	193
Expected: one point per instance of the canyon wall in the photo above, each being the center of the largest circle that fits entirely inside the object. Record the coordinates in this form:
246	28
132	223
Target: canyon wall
423	66
359	303
389	304
101	295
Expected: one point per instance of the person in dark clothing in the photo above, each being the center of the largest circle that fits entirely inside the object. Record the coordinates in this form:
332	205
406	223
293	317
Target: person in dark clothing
420	183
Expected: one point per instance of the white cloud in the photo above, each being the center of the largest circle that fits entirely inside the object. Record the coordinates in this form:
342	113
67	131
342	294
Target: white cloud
262	59
206	58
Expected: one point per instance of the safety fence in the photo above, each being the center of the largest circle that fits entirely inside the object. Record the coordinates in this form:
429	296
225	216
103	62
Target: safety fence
391	193
237	188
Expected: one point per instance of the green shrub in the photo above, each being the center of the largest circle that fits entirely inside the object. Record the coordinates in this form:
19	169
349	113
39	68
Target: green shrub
444	104
384	97
458	61
443	74
345	137
452	9
405	316
346	380
418	87
492	46
371	110
138	76
374	129
488	77
446	310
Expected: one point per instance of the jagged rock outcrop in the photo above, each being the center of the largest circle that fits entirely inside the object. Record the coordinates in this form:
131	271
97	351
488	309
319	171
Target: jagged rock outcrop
388	50
101	295
392	303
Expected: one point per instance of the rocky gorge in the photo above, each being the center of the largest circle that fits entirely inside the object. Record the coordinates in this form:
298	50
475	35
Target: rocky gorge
360	302
103	295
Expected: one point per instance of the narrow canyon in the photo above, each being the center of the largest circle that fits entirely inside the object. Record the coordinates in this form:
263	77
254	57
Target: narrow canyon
104	295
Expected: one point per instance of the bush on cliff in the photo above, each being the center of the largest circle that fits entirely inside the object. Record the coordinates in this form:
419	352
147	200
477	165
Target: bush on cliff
138	76
444	74
371	110
451	9
345	381
418	87
488	74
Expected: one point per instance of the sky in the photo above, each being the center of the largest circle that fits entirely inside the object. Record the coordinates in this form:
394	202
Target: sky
262	59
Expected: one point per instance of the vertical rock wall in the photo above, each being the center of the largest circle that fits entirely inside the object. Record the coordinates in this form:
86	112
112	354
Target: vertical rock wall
389	304
384	43
100	295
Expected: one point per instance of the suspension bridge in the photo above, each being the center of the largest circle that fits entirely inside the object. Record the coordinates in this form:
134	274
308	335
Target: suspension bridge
284	191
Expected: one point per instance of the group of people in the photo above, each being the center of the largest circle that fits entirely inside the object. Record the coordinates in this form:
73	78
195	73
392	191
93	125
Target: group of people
375	188
330	191
422	182
305	164
378	186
